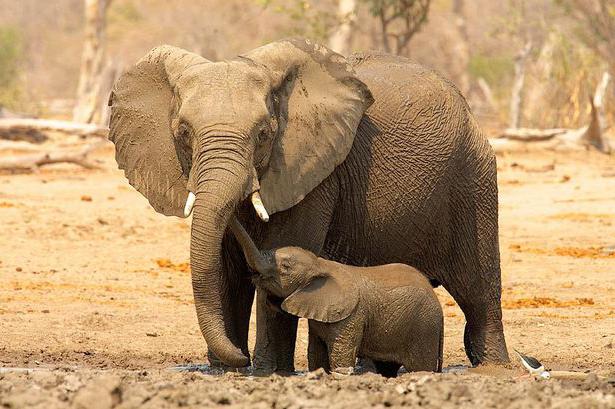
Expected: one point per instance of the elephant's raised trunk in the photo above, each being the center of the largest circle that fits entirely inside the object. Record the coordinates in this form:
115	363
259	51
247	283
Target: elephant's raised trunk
220	183
252	254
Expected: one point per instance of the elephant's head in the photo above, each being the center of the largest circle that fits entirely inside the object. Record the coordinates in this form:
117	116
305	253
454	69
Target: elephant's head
311	287
193	134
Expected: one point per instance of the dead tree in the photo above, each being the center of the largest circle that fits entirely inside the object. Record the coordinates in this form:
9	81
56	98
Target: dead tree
23	128
461	49
110	75
485	89
593	134
92	61
516	98
35	158
399	20
340	40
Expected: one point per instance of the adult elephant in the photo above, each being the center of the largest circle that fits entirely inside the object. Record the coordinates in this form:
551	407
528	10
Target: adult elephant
365	161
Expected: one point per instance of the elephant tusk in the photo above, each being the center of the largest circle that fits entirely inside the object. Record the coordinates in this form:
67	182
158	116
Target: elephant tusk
189	204
258	206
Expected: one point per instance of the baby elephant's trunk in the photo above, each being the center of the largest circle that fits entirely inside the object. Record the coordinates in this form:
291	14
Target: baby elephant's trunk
254	258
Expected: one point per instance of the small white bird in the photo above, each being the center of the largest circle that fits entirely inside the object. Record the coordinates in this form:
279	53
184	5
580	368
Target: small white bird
534	366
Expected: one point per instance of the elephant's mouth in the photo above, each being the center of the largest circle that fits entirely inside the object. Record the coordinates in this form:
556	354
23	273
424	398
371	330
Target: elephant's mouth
253	192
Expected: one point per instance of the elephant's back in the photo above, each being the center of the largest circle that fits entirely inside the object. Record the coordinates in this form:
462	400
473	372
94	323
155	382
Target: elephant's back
399	181
412	103
394	275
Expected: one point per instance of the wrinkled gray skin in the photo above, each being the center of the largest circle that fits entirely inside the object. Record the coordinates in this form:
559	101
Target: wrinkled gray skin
365	161
389	314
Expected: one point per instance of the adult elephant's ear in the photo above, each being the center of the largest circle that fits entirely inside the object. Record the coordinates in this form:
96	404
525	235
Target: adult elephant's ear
318	102
329	298
144	103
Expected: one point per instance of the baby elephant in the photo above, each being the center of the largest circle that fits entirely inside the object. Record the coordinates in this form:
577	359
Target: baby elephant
388	313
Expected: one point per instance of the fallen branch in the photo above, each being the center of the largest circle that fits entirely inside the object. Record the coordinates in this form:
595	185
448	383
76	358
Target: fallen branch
531	135
31	162
30	129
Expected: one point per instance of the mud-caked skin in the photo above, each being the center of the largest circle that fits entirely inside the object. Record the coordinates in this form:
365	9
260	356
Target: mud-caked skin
365	161
387	313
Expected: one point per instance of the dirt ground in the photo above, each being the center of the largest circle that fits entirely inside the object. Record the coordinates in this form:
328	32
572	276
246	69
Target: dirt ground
95	297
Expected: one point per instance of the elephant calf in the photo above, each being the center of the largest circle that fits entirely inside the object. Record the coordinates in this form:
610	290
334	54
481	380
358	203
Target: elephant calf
387	313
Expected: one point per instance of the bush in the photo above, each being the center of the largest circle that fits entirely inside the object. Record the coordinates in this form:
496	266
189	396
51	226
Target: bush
494	69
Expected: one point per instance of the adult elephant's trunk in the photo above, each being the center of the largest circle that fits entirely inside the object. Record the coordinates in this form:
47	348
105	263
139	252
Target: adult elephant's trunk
220	183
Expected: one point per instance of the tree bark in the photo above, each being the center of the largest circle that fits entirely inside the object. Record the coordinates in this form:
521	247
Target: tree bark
516	98
92	61
341	39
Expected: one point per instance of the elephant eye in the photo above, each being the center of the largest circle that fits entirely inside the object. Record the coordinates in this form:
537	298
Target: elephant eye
262	136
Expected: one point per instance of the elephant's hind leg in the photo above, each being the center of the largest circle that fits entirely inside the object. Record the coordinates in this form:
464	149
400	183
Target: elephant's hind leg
475	282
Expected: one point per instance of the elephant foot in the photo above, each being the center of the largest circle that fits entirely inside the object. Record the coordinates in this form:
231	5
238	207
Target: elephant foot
485	343
216	363
266	366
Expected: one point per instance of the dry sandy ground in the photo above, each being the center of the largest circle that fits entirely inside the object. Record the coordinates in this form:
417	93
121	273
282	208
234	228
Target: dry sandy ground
95	294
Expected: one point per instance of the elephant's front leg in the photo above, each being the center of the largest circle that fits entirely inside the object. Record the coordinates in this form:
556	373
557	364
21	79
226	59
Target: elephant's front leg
305	225
276	333
343	345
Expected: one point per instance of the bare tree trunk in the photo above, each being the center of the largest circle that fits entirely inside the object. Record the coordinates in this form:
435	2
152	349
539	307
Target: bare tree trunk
111	73
92	61
541	88
487	93
340	40
516	98
461	50
595	134
384	27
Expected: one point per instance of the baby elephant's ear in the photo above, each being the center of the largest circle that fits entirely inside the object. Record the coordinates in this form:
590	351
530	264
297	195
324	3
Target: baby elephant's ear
329	298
